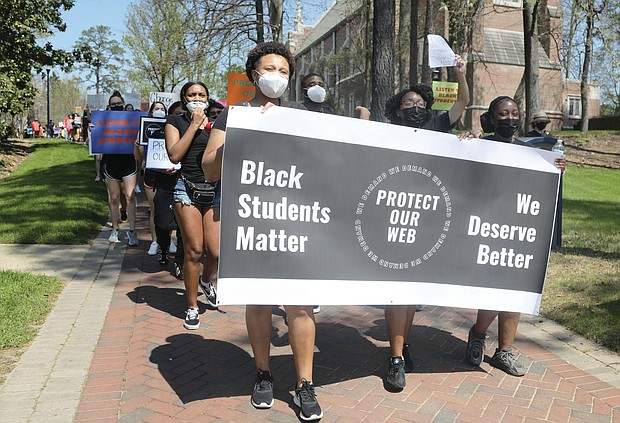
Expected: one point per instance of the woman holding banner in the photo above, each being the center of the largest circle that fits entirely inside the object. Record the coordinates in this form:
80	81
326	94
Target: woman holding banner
196	203
269	66
412	107
502	120
120	172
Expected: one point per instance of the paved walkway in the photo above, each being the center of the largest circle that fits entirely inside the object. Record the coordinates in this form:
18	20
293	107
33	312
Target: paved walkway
114	350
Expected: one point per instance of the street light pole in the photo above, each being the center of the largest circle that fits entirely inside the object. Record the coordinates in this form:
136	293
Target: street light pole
50	127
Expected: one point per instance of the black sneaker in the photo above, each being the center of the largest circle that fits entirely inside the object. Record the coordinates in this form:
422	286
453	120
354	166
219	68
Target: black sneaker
123	215
505	360
192	319
305	399
395	380
178	272
262	395
162	258
475	347
209	290
407	358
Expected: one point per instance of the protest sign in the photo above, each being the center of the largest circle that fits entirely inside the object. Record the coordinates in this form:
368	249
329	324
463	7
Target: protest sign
151	127
157	155
445	94
439	52
166	98
240	88
97	101
114	132
371	213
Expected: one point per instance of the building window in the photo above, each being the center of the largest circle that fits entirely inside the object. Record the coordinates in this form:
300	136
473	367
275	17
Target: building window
574	107
509	3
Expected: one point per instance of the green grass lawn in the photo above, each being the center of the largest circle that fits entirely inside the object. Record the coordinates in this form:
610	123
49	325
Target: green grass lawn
51	197
582	291
26	300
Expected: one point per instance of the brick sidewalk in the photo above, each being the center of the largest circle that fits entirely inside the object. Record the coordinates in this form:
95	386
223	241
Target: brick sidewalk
148	368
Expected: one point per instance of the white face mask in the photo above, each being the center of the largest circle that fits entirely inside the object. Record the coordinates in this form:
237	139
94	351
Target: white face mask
317	94
272	84
193	105
159	113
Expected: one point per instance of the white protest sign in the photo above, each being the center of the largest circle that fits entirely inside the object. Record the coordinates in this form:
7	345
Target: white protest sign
166	98
439	52
157	155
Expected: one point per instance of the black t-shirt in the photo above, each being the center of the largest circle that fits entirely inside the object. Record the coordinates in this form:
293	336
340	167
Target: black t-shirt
439	123
191	164
222	119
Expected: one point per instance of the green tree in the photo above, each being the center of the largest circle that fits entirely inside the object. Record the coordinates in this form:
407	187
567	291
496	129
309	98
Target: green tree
22	23
100	58
174	41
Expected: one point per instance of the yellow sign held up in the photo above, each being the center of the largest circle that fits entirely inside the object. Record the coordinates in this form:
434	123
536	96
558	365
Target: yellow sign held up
445	94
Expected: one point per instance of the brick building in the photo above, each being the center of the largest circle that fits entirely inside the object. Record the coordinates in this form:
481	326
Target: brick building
337	47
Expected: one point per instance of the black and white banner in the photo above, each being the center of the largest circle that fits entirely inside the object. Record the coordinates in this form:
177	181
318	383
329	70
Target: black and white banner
322	209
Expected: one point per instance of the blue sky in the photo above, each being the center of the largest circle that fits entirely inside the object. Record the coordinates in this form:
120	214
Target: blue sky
89	13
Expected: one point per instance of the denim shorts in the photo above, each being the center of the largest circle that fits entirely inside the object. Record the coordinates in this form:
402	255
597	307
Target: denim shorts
180	194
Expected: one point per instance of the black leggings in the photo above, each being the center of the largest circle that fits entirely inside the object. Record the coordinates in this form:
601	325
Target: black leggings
165	222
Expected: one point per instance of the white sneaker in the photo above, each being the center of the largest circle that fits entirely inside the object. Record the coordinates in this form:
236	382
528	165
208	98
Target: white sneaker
173	248
138	190
113	236
153	248
132	238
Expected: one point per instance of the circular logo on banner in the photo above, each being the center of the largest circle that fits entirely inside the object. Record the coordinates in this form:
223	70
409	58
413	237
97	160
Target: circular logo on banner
403	217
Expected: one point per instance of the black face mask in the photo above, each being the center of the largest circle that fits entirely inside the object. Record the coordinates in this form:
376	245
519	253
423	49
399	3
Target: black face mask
506	128
117	108
541	126
414	117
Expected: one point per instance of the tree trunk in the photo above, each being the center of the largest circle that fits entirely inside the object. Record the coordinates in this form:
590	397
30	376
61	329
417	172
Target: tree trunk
427	75
260	32
532	67
572	25
589	6
276	10
413	42
382	70
404	19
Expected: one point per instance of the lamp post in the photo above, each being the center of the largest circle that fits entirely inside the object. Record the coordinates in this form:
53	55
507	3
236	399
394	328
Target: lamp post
50	126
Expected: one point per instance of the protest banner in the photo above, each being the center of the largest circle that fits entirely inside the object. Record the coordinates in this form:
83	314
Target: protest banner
97	101
114	132
321	209
240	88
151	127
445	94
166	98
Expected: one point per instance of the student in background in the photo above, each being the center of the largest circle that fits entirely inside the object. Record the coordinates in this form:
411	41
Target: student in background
196	203
120	172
